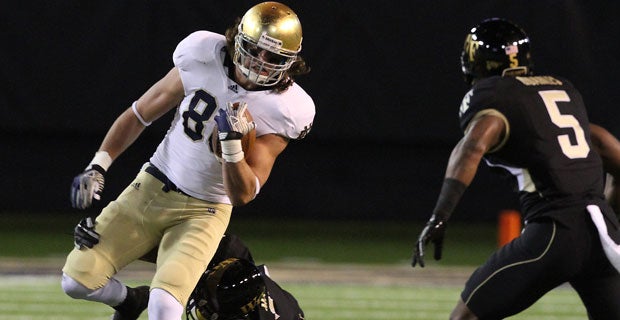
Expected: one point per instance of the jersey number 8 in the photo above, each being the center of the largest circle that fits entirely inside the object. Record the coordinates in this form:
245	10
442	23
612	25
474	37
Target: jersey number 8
201	108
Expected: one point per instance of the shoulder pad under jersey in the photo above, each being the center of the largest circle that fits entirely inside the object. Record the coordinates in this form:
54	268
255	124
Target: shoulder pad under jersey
199	47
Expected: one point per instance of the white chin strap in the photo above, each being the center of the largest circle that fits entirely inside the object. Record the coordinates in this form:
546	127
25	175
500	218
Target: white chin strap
257	77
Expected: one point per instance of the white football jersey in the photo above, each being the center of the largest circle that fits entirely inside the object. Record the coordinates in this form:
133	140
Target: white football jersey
184	155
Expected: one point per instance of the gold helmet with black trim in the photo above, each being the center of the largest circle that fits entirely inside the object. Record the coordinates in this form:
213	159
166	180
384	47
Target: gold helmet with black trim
267	43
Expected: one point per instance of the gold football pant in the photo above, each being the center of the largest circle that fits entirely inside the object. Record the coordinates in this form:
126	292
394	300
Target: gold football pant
187	230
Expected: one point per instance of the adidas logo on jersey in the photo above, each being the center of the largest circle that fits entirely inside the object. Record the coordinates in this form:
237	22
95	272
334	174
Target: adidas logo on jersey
233	88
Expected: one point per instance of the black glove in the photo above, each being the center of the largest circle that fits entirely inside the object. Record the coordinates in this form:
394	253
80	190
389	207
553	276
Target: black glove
433	232
84	234
87	186
449	196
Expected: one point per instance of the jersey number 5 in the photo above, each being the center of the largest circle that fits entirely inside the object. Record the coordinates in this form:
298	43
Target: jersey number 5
572	151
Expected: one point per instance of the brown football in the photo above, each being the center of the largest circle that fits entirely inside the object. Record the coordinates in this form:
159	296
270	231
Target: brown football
246	142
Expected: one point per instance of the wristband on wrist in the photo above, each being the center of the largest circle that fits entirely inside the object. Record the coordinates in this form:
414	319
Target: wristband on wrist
232	150
102	159
449	197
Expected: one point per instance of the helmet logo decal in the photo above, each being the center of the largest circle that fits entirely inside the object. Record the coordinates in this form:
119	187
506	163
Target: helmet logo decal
512	49
511	52
471	46
269	43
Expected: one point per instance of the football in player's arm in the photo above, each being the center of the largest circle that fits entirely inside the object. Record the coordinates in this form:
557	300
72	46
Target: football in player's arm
182	198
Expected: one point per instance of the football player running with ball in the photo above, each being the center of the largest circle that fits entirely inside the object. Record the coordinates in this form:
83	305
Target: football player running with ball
182	198
535	130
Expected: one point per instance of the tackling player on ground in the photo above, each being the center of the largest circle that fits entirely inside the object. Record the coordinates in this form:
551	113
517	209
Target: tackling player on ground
535	130
232	287
182	198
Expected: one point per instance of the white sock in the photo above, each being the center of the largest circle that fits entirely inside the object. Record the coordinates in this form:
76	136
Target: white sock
163	306
112	294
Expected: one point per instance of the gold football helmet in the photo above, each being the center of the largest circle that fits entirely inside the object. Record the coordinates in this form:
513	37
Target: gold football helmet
267	43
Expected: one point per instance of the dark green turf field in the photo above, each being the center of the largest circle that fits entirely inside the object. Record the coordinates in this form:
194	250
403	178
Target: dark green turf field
25	297
338	270
370	242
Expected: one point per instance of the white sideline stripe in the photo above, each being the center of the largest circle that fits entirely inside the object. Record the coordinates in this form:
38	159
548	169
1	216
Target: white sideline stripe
43	309
16	280
44	316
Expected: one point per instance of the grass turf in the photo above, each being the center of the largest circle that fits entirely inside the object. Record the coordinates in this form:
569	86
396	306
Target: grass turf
363	243
41	298
367	242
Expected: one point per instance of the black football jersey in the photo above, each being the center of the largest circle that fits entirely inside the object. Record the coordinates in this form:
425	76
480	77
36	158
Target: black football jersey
547	150
277	303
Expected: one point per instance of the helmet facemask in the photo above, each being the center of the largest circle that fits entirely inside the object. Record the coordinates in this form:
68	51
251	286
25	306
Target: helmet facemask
267	42
263	62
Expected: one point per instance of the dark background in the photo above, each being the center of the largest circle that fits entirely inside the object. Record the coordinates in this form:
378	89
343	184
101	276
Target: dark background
386	82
